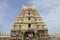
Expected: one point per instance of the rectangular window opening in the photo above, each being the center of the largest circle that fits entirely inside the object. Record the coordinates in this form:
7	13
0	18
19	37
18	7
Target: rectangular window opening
29	18
29	25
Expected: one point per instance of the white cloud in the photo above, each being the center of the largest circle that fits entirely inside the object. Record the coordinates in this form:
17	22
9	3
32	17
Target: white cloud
50	16
46	3
52	19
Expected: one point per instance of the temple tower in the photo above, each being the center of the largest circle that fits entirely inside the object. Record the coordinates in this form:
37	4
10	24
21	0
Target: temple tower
29	25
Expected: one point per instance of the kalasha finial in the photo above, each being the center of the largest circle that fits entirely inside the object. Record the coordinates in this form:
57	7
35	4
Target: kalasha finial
28	6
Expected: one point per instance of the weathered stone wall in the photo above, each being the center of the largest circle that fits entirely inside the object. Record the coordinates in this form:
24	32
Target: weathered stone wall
4	36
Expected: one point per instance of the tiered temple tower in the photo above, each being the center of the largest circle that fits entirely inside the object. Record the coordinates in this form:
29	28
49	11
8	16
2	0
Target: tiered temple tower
29	26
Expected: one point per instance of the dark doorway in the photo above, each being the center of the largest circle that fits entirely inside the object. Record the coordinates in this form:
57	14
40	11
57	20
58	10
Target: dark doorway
29	35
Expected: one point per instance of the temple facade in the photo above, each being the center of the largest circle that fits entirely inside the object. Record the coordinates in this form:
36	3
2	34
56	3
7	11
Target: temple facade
28	26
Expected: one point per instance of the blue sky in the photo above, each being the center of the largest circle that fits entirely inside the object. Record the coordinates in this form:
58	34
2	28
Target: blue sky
48	9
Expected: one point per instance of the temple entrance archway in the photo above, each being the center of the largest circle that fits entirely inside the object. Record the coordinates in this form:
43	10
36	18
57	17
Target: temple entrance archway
29	35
